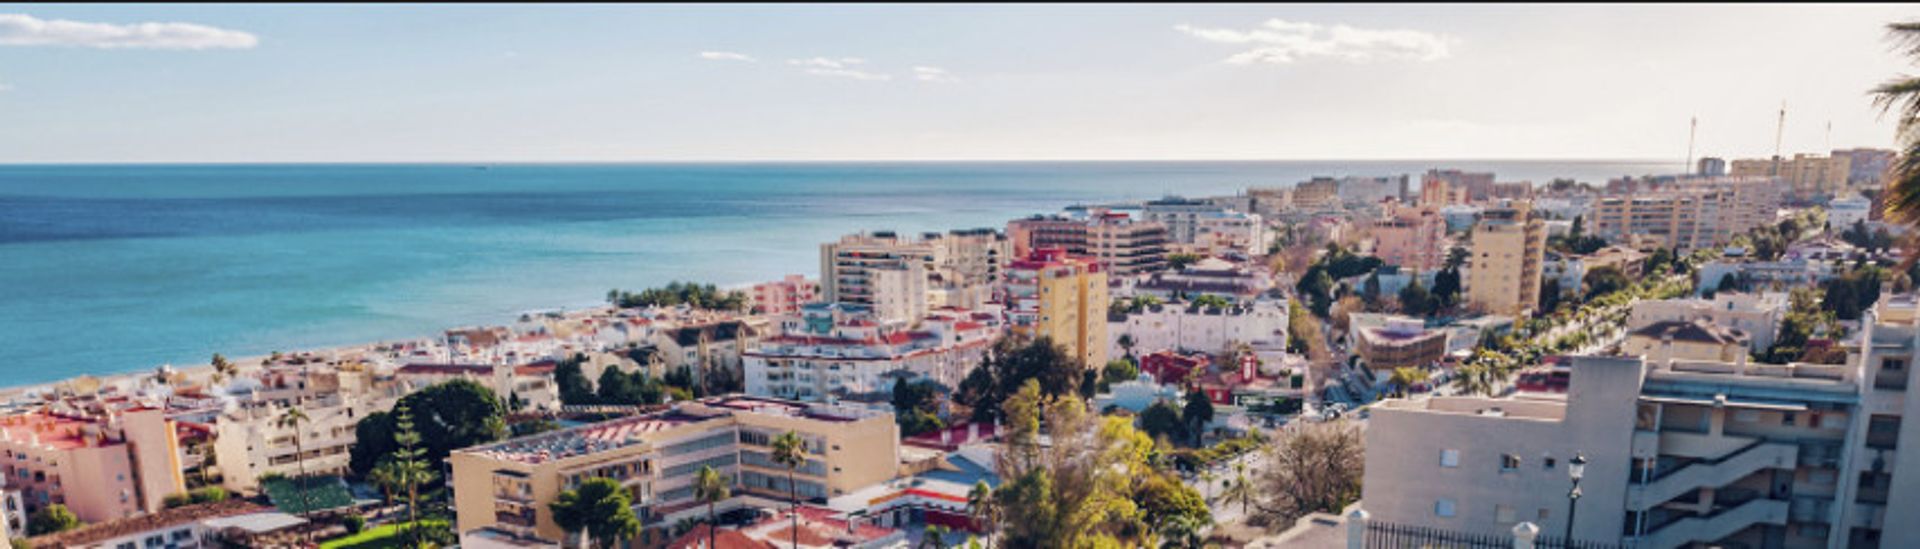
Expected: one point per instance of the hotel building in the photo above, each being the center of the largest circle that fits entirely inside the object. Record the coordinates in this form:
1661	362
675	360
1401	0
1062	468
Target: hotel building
508	486
1051	294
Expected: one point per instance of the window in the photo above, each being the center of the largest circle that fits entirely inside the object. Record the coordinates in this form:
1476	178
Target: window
1787	418
1443	508
1449	458
1509	462
1546	462
1893	364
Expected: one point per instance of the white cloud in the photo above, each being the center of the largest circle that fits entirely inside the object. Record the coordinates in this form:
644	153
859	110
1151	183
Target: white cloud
726	56
846	67
17	29
933	74
1282	42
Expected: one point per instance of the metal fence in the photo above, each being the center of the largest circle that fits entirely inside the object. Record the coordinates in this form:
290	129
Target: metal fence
1383	535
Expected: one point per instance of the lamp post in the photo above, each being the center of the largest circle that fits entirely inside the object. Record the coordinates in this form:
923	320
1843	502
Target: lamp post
1575	468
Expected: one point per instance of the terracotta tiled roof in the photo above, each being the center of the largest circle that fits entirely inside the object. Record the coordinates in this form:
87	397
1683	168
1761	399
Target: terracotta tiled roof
167	518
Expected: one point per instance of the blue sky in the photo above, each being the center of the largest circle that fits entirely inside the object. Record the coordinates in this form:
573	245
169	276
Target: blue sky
340	83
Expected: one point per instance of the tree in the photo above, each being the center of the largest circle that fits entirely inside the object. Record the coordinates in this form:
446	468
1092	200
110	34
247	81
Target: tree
1075	491
1126	343
711	487
291	419
791	452
1314	468
1728	283
1415	301
386	477
1404	379
914	404
455	414
408	469
1181	261
1901	95
1118	371
599	509
1009	365
1162	419
51	519
222	369
572	381
981	507
1549	296
1605	280
1175	511
1196	414
1370	289
1239	488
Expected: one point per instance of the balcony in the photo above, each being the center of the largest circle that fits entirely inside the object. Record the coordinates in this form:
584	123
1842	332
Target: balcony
1716	525
1712	473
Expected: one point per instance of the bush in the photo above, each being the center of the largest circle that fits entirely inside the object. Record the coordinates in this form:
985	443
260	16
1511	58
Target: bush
355	523
210	494
175	500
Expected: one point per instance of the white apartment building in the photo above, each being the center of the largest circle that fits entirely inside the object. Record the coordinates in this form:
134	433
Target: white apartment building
1262	323
1679	452
1844	212
903	278
1756	314
249	443
832	350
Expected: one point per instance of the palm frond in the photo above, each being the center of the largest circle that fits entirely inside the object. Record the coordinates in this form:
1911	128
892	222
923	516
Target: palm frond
1905	36
1902	195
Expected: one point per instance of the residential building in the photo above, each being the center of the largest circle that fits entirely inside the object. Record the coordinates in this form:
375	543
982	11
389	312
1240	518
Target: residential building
833	349
1689	214
1693	339
1362	191
1169	367
508	486
709	347
1207	227
1319	192
1209	276
1711	167
250	442
1124	245
902	278
1459	187
1757	276
1261	323
1514	190
1844	212
1391	346
784	296
1064	298
1867	167
188	527
1757	315
1414	238
1807	175
102	465
1505	264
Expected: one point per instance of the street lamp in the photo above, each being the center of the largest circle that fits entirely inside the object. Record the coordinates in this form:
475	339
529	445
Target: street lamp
1575	468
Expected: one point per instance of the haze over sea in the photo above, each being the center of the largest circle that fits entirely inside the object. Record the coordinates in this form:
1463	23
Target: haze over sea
115	268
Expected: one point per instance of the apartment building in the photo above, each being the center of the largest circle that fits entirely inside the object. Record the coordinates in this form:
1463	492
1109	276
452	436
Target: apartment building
901	278
1844	212
1757	315
1362	191
102	465
1412	238
784	296
1207	227
249	442
1125	246
1732	454
1710	167
1506	261
1867	167
1261	323
1054	295
1807	175
508	486
832	349
1319	192
1388	347
1463	187
1690	214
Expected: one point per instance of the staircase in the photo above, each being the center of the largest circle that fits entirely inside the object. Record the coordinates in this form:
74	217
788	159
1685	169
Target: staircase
1712	473
1718	525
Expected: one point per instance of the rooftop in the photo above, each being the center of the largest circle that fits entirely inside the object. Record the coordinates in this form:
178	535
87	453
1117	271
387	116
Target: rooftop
1696	331
166	518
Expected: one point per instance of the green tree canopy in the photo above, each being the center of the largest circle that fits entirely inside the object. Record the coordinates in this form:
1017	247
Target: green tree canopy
449	416
600	507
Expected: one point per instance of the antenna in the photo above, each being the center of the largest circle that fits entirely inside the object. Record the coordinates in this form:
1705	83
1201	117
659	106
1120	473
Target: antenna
1779	132
1693	127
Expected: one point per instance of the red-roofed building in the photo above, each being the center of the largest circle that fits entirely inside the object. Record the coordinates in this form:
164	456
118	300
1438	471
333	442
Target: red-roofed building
100	467
1168	367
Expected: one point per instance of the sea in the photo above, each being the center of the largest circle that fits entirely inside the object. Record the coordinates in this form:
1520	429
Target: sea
109	269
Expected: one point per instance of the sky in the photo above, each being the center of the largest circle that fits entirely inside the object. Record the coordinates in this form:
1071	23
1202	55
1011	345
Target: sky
545	83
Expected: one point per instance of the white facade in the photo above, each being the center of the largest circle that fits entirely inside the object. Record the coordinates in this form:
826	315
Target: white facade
840	350
1173	326
1756	314
1844	212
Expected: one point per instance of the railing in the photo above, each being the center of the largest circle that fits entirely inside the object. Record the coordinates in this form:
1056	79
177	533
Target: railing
1384	535
1720	471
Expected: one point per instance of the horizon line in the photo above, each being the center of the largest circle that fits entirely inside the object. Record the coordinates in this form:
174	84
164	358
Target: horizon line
797	161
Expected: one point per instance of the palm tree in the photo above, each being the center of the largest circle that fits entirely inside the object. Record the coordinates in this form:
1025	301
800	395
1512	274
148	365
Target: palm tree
931	539
1902	94
790	451
1126	344
1238	487
1404	379
386	477
983	509
709	486
291	419
222	369
1473	379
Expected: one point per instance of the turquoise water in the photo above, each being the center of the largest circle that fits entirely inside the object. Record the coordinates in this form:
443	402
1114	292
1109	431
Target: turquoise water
107	269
